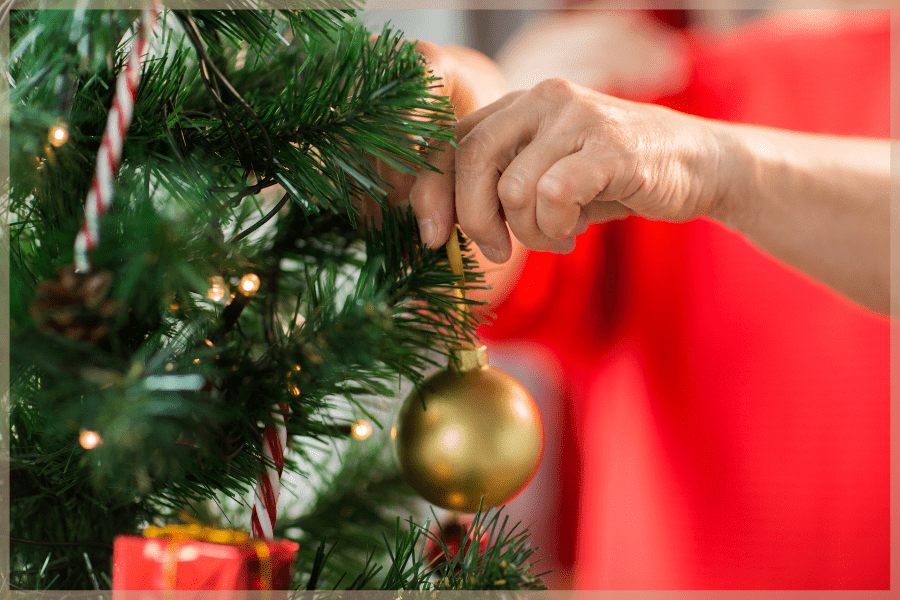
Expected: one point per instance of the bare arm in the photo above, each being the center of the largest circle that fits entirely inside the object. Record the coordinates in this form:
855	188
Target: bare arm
819	203
546	163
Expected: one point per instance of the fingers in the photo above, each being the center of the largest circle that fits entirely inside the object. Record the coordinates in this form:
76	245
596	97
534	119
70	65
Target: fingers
433	196
470	80
397	183
518	193
564	188
483	155
536	164
601	211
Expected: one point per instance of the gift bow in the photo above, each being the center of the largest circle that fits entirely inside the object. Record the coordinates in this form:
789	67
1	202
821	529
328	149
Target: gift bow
175	535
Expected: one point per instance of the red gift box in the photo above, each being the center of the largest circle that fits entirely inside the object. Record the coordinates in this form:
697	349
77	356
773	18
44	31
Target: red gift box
192	557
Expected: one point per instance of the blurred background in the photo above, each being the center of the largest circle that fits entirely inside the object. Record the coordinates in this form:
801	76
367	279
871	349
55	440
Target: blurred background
640	54
587	44
634	52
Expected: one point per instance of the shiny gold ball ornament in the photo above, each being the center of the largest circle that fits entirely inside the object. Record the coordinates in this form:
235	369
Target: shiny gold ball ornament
479	434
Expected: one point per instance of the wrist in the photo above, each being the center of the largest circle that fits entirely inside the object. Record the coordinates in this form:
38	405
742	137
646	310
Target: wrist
736	170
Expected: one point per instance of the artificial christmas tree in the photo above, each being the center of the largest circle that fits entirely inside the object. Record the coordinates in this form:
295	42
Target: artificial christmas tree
196	310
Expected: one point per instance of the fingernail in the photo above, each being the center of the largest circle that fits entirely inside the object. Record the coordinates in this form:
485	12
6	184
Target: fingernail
563	246
428	232
582	224
492	253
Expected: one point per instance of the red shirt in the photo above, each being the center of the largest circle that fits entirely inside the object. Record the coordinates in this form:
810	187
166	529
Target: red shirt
730	416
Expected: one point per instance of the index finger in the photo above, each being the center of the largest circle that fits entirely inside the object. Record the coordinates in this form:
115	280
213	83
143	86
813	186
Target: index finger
484	153
433	195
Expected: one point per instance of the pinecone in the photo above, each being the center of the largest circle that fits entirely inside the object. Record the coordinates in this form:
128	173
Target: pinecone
75	304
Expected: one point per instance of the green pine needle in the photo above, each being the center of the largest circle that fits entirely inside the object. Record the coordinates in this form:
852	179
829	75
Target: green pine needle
251	143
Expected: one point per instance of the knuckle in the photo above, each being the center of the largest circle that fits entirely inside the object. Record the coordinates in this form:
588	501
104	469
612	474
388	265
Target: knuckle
474	150
511	189
554	190
555	87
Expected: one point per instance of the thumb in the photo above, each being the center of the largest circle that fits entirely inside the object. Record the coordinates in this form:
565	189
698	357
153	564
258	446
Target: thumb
469	78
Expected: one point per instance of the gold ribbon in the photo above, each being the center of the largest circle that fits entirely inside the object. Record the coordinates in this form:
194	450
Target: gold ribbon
176	535
454	256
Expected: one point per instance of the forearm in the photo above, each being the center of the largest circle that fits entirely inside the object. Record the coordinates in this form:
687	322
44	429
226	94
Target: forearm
818	203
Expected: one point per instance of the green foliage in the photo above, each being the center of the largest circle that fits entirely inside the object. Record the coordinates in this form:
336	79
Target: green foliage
504	564
247	153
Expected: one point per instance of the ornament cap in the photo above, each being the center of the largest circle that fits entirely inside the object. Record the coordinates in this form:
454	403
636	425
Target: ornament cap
469	358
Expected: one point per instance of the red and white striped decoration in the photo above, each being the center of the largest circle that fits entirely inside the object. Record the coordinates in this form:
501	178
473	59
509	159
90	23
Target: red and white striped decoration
268	484
109	155
98	201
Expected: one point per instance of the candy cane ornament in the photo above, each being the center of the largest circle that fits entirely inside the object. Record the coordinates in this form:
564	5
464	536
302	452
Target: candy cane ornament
109	155
98	201
268	484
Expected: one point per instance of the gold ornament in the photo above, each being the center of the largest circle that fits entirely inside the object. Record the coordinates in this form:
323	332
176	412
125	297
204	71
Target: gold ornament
480	434
470	432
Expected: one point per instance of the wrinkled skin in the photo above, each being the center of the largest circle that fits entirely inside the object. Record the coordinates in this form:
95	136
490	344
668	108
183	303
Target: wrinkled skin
554	159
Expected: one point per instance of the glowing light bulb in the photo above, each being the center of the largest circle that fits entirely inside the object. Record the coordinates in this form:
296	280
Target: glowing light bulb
89	439
58	136
217	289
361	430
249	284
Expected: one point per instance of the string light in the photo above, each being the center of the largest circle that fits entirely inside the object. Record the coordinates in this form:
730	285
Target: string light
249	284
361	429
89	439
217	289
58	135
246	289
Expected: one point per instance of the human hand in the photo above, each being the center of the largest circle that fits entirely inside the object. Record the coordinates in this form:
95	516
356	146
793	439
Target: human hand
550	161
470	80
